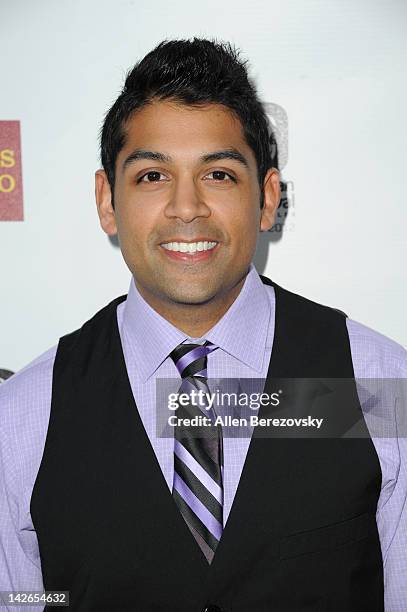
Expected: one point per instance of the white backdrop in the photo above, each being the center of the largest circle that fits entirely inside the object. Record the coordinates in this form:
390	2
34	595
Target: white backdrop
338	69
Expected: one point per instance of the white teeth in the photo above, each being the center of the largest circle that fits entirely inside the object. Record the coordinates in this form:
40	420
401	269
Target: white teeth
189	247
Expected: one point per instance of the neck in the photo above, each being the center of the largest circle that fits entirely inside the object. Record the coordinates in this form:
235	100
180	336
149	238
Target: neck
193	319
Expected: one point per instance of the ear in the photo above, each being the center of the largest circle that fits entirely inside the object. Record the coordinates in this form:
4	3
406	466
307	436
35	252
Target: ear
103	197
272	195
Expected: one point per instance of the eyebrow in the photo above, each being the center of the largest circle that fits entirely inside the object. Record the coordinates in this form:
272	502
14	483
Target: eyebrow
230	153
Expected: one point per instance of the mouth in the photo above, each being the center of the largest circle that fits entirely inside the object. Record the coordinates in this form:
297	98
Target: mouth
191	251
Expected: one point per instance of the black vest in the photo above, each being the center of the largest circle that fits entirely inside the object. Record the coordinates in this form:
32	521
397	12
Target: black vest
301	534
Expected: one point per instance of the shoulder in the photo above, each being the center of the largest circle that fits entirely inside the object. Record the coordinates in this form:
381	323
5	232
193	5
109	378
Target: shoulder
25	399
31	378
92	335
375	354
301	308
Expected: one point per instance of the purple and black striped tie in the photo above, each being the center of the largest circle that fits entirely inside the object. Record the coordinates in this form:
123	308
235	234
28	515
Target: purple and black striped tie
198	461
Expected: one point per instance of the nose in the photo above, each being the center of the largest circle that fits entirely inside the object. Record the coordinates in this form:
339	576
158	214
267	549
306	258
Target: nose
187	201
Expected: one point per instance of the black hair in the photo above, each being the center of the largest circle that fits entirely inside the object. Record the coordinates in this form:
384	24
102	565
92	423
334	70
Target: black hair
193	72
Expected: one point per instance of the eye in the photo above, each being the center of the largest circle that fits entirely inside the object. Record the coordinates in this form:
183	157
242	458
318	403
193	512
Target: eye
220	175
151	177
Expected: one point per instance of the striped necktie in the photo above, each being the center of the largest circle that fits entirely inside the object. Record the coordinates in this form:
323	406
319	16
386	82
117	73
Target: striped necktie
198	461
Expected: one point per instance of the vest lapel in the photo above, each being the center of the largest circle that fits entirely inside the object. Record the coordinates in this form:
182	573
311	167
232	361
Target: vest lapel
169	520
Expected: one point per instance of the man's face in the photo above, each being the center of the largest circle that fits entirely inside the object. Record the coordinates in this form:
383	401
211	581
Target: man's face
186	176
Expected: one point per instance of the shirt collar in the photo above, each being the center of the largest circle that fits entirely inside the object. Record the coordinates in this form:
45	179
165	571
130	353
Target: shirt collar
241	332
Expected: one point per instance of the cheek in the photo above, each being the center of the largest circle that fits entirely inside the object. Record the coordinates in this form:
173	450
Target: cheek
245	232
243	221
136	224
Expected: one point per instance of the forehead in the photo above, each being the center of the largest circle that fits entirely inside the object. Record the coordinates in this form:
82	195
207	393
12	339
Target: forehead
184	131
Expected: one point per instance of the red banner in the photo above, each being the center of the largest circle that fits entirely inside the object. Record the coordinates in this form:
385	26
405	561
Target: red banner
11	183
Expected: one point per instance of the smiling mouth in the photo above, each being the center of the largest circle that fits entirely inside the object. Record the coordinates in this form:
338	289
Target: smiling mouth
190	248
193	251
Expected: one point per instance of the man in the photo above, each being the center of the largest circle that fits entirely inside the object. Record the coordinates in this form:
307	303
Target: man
94	501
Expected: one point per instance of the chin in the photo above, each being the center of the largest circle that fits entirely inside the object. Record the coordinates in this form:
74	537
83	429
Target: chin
190	297
183	292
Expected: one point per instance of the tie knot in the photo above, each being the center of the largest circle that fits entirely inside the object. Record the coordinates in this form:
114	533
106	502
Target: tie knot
191	359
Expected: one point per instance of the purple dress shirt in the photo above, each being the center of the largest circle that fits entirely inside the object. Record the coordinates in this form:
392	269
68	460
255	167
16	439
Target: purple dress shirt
244	336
